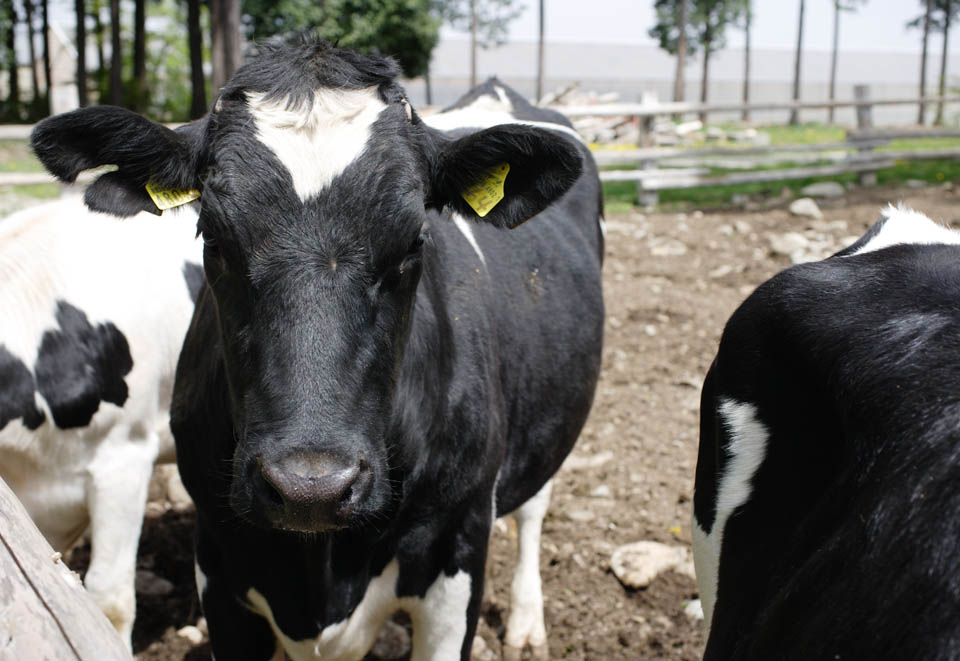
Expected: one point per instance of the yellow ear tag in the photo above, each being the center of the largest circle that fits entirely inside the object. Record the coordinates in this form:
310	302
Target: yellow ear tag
488	191
171	197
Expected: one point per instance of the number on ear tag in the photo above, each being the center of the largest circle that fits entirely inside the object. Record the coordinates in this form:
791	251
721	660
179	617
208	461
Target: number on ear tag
171	197
488	191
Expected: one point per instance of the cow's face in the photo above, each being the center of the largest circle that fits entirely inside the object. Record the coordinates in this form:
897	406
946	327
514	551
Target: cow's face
315	179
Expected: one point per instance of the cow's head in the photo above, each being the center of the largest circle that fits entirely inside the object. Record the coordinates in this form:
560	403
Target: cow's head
316	178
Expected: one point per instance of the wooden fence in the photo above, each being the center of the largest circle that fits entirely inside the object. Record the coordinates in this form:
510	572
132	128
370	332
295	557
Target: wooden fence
857	154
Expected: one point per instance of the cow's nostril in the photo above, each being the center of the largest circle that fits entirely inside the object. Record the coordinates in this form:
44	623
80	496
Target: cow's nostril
267	488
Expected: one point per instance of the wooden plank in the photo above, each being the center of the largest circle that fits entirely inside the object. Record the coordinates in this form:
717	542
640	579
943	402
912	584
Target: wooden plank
661	182
34	178
44	611
644	110
629	156
901	134
634	175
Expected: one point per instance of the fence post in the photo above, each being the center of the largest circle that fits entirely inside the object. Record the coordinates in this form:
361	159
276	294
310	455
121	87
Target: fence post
864	110
646	198
647	98
864	121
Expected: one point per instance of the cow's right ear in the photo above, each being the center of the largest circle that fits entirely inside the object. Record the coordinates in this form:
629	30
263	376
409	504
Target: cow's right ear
141	149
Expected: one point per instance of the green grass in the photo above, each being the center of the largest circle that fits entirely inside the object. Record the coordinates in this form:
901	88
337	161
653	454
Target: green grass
619	195
37	191
15	156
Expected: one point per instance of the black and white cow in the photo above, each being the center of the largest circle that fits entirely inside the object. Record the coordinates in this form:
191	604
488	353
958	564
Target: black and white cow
828	481
94	313
374	372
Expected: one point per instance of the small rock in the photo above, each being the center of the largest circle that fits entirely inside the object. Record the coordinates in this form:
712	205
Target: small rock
694	609
915	183
479	651
191	633
788	243
829	225
582	516
739	199
650	330
637	564
580	462
697	215
393	641
602	491
720	271
726	230
742	227
824	189
805	206
150	584
667	247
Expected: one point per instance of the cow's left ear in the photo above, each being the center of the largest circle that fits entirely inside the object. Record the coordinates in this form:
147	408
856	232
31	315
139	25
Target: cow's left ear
141	149
532	166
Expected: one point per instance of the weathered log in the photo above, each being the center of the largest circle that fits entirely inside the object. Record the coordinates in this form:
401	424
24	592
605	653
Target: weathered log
44	611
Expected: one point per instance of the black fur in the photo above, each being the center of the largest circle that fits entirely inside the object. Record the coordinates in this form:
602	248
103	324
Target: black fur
847	546
360	328
17	392
79	365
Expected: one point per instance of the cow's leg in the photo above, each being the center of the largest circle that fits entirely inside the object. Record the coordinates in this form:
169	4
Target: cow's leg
236	632
116	499
445	618
525	624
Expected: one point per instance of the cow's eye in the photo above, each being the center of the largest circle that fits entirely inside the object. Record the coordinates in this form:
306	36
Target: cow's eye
417	245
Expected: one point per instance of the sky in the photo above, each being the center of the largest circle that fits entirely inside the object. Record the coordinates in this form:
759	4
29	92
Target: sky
878	25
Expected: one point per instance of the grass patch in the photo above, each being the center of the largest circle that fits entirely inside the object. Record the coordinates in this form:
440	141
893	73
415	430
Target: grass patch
620	195
36	191
15	156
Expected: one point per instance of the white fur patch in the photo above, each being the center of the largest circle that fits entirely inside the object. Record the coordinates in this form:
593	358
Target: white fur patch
318	142
907	226
525	625
747	450
439	620
464	226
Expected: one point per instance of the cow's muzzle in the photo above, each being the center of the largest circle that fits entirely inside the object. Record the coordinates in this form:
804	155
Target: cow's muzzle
310	491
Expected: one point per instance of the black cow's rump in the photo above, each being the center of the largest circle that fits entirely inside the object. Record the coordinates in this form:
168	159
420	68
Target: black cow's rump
846	547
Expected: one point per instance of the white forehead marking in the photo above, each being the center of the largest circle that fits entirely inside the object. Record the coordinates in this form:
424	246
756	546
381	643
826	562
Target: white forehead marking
318	142
905	225
467	231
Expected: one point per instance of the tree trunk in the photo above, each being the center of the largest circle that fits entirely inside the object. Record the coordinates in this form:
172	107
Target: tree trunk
922	111
34	79
198	91
13	98
705	79
429	88
81	12
47	76
473	44
794	114
225	40
745	116
948	10
98	38
116	55
540	56
833	59
678	82
139	55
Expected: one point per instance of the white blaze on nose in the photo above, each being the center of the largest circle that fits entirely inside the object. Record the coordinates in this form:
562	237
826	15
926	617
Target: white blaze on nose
316	141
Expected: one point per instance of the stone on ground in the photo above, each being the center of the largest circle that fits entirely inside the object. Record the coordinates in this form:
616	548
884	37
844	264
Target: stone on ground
806	207
637	564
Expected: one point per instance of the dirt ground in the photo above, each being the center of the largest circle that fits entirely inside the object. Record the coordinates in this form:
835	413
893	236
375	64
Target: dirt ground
671	281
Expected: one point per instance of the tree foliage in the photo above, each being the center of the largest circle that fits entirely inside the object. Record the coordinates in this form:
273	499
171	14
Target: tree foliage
706	23
406	29
493	18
